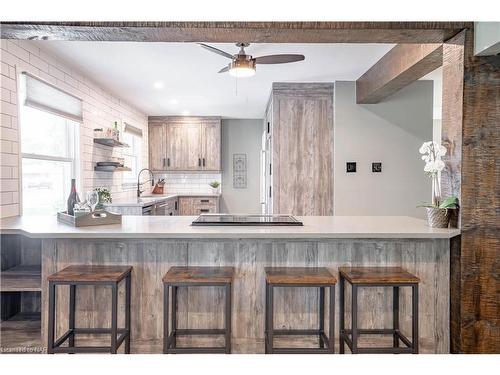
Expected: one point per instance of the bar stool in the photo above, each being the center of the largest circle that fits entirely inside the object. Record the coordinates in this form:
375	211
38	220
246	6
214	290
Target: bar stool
294	277
394	277
195	276
78	275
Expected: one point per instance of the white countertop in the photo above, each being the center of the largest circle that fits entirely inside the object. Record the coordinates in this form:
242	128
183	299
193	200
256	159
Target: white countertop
178	227
147	200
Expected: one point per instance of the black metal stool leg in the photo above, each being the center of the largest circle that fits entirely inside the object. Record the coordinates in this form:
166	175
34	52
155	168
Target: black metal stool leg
321	308
228	318
174	316
341	316
52	317
127	312
114	316
270	320
395	316
72	308
266	328
414	318
331	324
165	318
354	319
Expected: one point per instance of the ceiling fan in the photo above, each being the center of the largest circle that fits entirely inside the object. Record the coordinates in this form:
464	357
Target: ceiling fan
243	65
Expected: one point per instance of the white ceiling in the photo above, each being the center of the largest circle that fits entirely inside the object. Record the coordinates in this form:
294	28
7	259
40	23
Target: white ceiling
191	84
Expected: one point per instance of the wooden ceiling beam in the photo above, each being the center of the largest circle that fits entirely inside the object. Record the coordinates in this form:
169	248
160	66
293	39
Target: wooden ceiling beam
399	67
263	32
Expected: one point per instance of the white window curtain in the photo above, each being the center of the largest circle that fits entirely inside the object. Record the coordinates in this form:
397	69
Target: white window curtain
46	97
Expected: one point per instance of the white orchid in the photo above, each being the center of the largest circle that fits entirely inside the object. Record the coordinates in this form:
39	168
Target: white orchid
431	154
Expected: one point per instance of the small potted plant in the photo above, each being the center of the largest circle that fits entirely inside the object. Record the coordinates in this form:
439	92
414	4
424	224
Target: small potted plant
215	186
104	196
438	212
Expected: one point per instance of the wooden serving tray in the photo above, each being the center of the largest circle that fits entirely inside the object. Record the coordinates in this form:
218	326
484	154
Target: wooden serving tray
98	217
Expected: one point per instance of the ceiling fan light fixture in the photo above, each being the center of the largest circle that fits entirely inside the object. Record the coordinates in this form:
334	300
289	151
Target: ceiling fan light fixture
242	68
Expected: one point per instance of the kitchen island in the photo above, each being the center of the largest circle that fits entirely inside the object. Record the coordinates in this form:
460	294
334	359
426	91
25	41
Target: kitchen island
151	245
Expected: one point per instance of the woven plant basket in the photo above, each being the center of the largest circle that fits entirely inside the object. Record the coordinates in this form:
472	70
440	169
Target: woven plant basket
438	217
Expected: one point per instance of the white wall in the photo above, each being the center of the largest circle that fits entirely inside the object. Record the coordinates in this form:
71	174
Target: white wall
390	132
241	137
100	109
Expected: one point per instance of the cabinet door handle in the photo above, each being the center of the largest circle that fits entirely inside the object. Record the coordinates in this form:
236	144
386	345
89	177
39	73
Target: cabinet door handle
199	162
164	162
203	161
168	162
175	205
204	200
204	210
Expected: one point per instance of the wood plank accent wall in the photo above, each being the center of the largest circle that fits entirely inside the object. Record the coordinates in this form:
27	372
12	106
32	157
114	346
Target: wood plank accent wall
302	139
262	32
202	307
399	67
480	213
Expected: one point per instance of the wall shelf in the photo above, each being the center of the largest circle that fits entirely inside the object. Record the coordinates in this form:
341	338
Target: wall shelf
110	142
111	169
21	278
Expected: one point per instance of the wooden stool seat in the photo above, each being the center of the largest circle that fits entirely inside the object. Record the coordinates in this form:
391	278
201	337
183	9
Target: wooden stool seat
378	275
196	275
87	273
299	275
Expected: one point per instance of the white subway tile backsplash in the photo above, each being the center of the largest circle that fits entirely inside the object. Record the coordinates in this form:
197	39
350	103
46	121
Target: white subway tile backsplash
100	110
189	182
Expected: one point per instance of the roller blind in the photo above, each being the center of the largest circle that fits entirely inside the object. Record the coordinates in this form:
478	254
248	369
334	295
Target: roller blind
46	97
132	130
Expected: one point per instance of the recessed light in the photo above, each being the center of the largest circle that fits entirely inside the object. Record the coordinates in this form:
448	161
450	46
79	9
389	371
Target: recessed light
158	85
174	102
185	113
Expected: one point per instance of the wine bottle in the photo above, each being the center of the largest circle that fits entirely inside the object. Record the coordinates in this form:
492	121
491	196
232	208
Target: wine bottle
73	198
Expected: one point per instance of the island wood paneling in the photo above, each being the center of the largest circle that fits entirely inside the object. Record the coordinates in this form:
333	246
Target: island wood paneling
402	65
198	307
229	32
302	147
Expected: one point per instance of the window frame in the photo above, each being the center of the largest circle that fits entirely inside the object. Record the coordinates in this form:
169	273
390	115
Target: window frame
133	151
73	141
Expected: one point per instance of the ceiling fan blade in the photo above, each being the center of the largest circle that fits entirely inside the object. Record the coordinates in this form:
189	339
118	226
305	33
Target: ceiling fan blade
279	59
223	70
216	50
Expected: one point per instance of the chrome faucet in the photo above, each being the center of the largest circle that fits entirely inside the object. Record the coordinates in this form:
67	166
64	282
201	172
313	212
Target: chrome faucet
139	191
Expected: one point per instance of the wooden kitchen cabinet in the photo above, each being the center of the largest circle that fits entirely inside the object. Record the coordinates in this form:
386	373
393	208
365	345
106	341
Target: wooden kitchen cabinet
301	129
185	143
211	145
193	206
157	146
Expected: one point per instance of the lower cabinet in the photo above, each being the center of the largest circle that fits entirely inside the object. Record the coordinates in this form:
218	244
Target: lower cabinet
192	206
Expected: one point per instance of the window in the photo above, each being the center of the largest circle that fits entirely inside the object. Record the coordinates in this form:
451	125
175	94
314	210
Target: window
49	150
132	136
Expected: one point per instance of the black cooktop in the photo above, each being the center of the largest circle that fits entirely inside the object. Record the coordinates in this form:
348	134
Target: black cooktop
228	219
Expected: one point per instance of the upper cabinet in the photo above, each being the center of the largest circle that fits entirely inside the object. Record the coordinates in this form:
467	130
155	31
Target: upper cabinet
185	143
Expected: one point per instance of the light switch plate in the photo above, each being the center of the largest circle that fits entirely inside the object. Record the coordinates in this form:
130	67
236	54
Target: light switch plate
350	167
377	167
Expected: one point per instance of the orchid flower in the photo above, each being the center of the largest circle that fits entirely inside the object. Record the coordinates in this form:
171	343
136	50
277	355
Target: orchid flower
431	154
